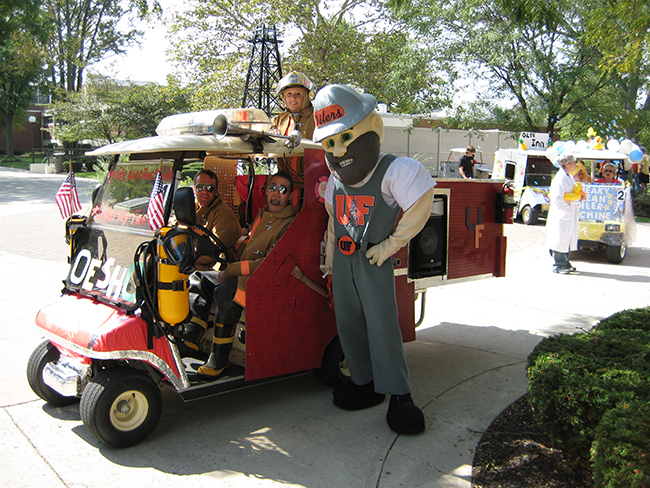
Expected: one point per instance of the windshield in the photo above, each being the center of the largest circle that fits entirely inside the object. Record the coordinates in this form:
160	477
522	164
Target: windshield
102	251
539	171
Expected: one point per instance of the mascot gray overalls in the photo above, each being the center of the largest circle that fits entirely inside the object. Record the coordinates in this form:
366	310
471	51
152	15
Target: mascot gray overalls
364	195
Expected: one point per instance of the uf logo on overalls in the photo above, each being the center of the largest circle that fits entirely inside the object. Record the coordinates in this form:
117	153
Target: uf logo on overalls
346	245
352	209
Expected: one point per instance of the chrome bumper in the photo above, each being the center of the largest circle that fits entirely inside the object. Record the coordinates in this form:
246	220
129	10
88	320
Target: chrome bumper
68	376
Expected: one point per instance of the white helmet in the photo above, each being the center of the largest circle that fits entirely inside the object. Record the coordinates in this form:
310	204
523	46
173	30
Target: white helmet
295	79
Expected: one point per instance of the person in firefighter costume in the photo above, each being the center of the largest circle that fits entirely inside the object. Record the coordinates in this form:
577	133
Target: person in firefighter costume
364	195
296	92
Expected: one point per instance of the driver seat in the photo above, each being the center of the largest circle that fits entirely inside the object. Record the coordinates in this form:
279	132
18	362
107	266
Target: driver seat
184	206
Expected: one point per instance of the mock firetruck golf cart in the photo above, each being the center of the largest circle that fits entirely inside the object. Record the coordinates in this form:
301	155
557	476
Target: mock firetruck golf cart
113	337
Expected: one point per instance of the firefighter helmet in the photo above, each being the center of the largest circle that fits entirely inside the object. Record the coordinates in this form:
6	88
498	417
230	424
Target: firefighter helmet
295	79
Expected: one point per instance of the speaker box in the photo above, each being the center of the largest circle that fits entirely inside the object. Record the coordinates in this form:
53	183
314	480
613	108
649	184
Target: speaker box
428	249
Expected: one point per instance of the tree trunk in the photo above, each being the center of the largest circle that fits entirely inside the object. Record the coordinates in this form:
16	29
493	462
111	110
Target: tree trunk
9	133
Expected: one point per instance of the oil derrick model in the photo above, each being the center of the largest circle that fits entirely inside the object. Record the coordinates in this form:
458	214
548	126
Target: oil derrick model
264	72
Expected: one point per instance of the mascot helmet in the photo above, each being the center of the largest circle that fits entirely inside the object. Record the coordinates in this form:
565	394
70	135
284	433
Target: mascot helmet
350	131
295	79
339	107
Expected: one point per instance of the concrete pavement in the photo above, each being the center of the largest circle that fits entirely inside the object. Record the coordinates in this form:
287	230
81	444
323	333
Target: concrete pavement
467	365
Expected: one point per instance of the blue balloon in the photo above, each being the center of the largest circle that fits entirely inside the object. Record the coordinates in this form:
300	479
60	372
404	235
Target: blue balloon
636	155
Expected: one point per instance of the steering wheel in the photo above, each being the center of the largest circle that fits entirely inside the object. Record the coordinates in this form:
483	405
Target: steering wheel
208	244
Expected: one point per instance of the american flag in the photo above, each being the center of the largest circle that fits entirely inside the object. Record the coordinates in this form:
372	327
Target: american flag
155	210
67	198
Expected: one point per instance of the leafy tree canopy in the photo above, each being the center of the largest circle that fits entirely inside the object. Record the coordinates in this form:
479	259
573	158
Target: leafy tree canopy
22	36
86	31
354	41
109	111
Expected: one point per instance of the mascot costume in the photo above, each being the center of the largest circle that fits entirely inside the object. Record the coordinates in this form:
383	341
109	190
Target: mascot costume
364	195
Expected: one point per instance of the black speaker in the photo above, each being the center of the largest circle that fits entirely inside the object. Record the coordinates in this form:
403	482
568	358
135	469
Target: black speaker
428	249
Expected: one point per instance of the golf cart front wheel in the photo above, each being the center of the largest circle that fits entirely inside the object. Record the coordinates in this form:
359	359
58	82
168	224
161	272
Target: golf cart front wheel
530	215
45	353
121	407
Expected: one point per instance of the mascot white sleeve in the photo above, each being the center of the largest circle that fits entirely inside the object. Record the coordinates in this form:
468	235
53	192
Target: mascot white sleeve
364	196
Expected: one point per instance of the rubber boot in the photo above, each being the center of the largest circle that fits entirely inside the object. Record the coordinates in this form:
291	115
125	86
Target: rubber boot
403	416
224	335
193	332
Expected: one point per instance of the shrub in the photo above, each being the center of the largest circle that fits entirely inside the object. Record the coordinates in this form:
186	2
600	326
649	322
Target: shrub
619	453
190	170
641	202
574	380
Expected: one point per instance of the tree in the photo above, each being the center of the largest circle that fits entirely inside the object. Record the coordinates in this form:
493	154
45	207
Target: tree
86	31
109	111
621	31
355	42
532	53
22	36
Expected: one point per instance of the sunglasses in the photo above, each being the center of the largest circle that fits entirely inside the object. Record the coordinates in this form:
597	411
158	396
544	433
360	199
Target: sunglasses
273	188
608	171
209	188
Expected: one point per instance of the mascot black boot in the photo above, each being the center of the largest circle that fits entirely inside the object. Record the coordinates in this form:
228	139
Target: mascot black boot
349	396
403	416
224	336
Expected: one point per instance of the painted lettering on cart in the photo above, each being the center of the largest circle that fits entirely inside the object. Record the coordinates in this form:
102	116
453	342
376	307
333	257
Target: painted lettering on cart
113	281
122	217
604	202
146	174
477	227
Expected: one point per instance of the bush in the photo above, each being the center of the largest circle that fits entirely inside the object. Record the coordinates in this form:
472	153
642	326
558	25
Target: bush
575	381
641	202
619	453
190	170
77	166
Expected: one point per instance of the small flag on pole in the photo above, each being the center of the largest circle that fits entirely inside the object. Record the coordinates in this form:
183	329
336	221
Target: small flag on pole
67	198
155	211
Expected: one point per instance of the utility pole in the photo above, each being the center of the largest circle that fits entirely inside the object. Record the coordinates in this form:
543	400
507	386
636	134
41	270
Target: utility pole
264	72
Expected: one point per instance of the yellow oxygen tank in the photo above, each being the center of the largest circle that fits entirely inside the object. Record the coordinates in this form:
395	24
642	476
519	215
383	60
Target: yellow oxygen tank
173	286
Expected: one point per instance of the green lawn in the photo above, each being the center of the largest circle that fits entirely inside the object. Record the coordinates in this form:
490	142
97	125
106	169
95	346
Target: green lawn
23	162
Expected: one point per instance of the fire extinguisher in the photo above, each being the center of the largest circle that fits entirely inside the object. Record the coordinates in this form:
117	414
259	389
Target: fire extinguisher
505	203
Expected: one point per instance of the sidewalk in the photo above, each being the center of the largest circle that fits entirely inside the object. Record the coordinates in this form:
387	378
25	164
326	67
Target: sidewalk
467	364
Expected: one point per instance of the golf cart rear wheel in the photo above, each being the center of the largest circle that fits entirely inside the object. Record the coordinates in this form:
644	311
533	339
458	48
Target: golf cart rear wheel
334	368
530	215
121	407
616	254
45	353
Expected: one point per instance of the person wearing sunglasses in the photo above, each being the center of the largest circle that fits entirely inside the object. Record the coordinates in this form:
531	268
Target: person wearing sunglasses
609	174
213	214
269	226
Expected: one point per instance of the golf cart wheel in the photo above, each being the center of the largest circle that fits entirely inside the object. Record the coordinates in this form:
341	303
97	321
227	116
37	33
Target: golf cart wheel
334	368
43	354
616	254
121	407
530	215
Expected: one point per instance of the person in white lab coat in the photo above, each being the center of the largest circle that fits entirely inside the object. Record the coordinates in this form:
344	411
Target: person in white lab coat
562	222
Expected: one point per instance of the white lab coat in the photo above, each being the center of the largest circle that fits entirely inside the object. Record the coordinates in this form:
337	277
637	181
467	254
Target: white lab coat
562	223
